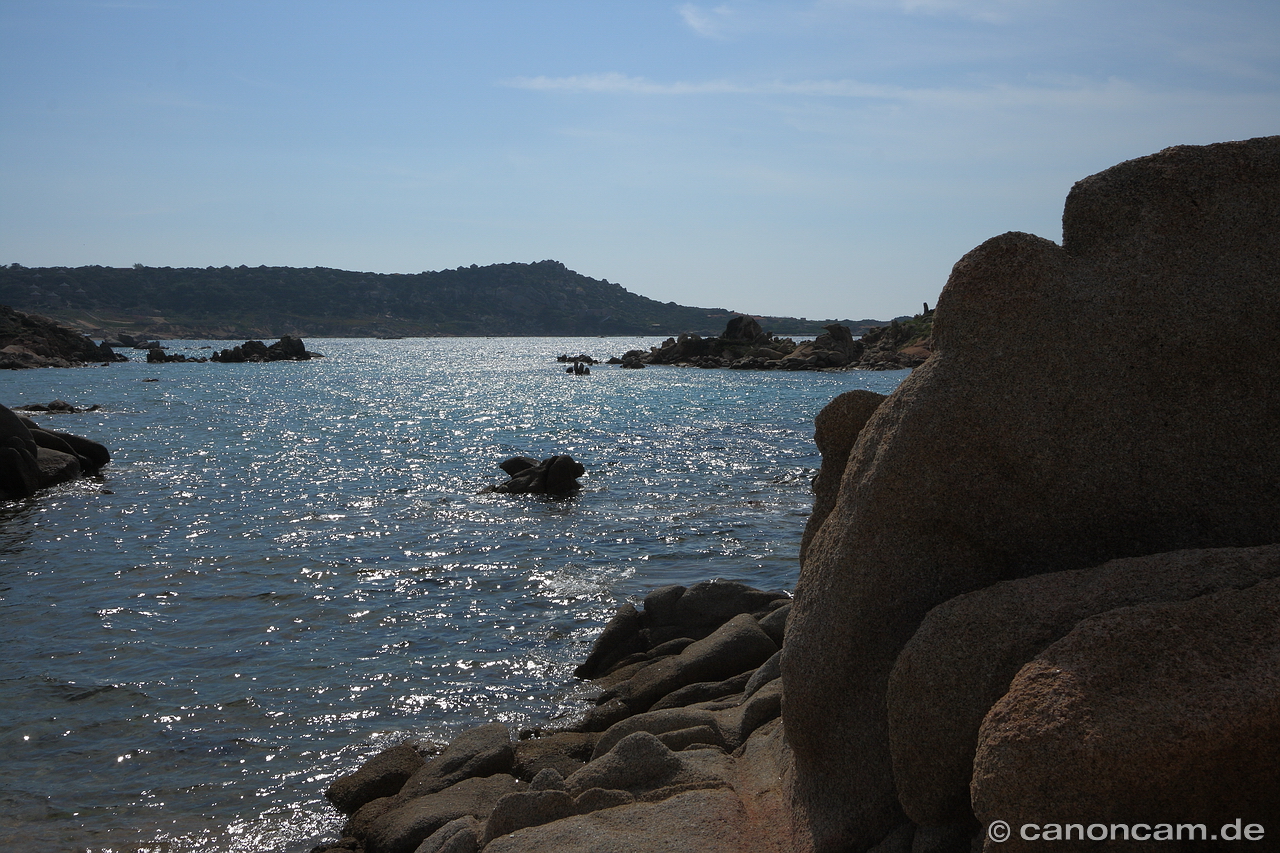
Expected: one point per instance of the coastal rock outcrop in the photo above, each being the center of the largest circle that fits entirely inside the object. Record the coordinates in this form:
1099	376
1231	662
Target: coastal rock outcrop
1039	438
288	348
32	458
638	783
744	345
29	340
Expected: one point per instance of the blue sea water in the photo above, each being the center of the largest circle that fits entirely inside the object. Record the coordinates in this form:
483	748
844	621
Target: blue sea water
289	566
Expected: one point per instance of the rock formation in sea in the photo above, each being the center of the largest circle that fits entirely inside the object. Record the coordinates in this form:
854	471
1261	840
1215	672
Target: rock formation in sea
555	475
288	348
29	340
745	345
1041	584
33	458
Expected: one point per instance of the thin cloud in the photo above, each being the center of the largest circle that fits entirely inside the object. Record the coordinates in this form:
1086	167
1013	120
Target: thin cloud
1072	94
710	23
615	83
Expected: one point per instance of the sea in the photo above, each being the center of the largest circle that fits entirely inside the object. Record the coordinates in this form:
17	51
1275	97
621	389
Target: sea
288	567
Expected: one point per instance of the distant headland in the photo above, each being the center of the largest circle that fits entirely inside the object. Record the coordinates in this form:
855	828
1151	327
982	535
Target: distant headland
545	298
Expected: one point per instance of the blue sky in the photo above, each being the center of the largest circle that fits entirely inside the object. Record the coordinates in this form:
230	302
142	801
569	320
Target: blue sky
829	158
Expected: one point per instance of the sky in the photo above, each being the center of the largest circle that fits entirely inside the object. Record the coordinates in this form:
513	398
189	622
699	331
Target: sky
817	158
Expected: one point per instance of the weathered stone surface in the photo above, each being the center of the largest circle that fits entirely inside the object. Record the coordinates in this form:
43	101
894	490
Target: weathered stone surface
381	776
402	828
594	799
775	623
1159	713
968	649
735	647
461	835
835	430
660	605
655	723
527	808
1065	419
706	821
703	691
482	751
604	715
714	602
620	637
738	723
563	752
547	779
640	763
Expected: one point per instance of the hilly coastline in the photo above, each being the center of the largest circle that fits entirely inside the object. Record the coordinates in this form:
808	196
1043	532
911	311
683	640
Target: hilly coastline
545	298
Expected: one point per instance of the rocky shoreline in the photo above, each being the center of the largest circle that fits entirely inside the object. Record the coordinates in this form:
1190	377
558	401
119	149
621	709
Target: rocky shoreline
29	340
683	682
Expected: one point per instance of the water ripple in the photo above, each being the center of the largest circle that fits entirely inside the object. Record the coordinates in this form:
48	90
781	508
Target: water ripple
287	567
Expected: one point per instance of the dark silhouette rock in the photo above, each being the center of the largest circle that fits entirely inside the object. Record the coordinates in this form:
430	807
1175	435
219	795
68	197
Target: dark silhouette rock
1038	438
557	475
157	355
32	458
29	340
288	348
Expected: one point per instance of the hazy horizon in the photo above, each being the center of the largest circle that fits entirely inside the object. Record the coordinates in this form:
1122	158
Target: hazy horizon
825	159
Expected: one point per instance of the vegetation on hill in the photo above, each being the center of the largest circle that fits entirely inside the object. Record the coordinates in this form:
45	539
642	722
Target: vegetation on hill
543	298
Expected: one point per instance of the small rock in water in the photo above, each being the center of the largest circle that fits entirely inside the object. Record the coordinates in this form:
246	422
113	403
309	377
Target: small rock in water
557	475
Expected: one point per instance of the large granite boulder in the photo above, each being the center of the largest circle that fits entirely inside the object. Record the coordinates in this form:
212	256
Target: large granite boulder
1155	714
967	651
1067	417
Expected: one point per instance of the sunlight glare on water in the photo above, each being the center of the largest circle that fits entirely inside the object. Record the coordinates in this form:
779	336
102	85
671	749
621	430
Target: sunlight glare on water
289	566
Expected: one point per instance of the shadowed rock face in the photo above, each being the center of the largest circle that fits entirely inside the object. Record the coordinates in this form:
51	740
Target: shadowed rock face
967	651
1067	417
1063	743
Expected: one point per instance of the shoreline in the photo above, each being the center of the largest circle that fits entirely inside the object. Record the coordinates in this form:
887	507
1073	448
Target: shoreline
682	683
